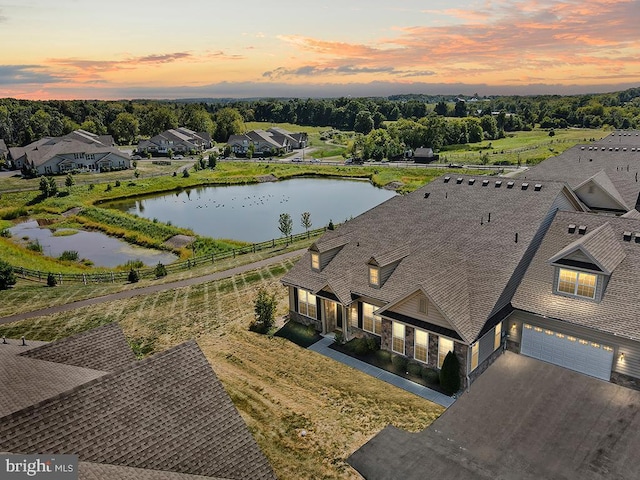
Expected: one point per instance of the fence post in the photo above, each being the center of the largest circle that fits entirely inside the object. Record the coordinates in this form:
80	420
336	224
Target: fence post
273	242
84	278
212	258
234	252
113	280
60	278
254	248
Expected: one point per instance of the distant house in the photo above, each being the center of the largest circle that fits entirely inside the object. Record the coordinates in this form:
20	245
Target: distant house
178	140
165	417
267	142
79	150
424	155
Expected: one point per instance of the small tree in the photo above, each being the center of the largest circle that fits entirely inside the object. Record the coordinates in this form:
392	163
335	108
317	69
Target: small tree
185	173
450	374
7	277
306	221
331	226
265	309
285	225
160	270
51	280
53	187
44	186
212	161
133	276
69	181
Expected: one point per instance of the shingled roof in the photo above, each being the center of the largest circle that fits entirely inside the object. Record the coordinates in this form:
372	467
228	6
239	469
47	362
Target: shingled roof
101	471
167	412
461	235
581	163
104	348
617	312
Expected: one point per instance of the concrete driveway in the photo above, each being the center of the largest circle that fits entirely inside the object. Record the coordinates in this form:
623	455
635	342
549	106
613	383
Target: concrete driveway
523	420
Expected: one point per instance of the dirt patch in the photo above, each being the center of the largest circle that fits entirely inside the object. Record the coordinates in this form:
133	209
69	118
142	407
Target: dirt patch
394	186
72	211
179	241
267	178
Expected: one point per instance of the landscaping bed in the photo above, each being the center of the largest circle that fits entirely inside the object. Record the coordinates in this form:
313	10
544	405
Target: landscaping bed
368	351
301	335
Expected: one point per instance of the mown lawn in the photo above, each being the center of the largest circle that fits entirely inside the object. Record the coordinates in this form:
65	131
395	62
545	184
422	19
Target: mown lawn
279	388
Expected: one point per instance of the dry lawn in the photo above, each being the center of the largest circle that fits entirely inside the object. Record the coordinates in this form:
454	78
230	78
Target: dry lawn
279	388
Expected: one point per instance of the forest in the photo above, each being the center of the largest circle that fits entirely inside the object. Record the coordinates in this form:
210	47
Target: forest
393	123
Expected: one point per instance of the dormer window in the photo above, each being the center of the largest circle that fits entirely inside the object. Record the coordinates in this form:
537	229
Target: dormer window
374	276
315	261
579	284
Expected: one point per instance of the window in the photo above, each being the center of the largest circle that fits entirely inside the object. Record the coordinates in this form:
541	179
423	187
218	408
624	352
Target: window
352	313
580	284
444	346
307	303
475	350
374	276
497	338
370	322
421	347
422	305
398	338
315	260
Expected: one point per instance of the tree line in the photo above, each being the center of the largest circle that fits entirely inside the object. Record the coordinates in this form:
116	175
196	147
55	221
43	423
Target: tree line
24	121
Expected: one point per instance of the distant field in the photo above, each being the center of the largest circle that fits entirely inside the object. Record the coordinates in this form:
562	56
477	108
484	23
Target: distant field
279	388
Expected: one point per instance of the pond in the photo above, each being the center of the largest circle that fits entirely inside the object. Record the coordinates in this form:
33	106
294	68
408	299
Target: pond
102	250
250	212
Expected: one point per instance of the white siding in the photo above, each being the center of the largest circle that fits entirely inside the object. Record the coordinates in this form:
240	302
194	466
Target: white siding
597	198
562	202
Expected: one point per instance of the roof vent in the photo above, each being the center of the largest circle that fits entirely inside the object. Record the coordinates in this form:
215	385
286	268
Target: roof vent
582	229
498	183
626	236
446	179
472	181
582	148
426	194
459	180
509	184
525	185
485	183
572	228
637	237
537	187
603	148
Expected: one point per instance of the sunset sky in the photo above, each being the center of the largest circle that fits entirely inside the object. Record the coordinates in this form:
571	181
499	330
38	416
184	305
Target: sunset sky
170	49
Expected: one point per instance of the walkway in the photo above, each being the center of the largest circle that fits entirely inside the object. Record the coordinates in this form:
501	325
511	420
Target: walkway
322	347
154	288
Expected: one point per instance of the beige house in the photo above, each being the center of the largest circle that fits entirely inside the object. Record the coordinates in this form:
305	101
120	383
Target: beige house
178	140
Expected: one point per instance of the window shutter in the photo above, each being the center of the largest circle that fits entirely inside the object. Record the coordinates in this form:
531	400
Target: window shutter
295	300
318	302
360	315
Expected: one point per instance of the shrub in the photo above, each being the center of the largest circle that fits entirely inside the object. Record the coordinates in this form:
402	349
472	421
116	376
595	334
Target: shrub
339	338
7	277
450	374
264	308
91	186
160	270
134	264
431	376
331	226
373	343
414	368
108	189
51	280
71	255
133	276
185	173
5	233
400	363
384	356
117	183
35	246
359	346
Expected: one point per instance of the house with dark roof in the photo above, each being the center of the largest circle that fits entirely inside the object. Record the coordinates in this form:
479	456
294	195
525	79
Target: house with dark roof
78	150
164	417
429	272
273	141
178	140
604	174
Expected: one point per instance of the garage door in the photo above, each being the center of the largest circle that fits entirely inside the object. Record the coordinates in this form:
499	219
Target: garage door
570	352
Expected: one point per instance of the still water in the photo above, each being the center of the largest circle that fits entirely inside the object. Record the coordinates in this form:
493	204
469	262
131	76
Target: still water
102	250
250	212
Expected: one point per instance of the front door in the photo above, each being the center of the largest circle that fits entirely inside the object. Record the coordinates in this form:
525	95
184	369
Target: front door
330	315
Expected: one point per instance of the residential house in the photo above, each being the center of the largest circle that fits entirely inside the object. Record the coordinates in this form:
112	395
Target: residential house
429	272
267	142
79	150
165	417
178	140
604	175
424	155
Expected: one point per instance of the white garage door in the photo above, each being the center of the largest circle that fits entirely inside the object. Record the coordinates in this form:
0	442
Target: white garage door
570	352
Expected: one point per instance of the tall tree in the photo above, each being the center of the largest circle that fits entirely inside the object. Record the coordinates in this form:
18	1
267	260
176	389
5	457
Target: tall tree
228	122
125	128
285	225
305	220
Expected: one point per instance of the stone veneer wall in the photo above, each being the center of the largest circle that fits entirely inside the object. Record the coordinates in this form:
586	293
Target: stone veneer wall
385	341
304	320
484	365
625	380
409	341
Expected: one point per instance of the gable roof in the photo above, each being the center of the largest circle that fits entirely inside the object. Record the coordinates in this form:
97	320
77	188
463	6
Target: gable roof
600	245
578	165
617	311
602	180
454	248
104	348
167	412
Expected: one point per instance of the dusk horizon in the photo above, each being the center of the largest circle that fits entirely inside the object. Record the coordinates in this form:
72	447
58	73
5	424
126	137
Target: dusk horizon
162	51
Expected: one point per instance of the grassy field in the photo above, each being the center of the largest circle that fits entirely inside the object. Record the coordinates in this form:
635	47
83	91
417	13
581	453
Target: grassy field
528	147
278	387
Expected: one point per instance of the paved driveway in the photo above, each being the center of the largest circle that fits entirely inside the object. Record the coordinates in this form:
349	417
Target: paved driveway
523	419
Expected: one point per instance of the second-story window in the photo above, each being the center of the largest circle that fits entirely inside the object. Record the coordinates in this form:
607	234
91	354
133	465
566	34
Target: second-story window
580	284
374	276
